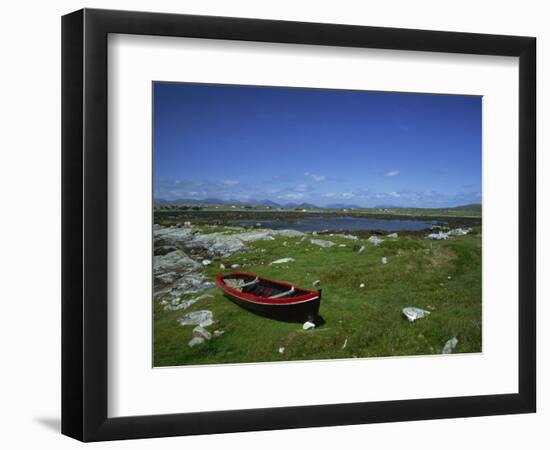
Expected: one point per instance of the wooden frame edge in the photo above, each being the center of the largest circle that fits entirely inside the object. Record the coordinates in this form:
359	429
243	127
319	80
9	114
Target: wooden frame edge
84	225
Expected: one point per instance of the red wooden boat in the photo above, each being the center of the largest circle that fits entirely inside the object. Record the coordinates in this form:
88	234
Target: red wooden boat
270	298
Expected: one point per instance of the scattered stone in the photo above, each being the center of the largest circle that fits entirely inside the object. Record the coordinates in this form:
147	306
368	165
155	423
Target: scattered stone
222	267
172	261
342	245
393	235
449	278
308	325
281	350
206	262
202	318
345	344
384	260
168	277
444	235
285	244
375	240
196	341
282	261
218	333
412	313
322	243
176	306
202	332
191	283
290	233
350	236
316	283
459	232
362	285
235	266
440	236
449	346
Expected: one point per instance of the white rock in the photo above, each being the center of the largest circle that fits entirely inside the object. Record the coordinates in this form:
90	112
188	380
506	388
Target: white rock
281	350
384	260
316	283
362	285
361	249
459	232
222	267
375	240
202	332
441	236
342	245
235	266
282	261
392	235
206	262
196	341
322	243
177	305
345	344
218	333
412	313
449	346
350	236
187	224
308	325
202	318
290	233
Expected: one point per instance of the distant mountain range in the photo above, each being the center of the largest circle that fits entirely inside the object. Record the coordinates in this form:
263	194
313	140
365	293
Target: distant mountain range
272	204
217	201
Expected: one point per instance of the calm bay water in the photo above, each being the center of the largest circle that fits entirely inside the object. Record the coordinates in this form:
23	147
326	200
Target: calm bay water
338	223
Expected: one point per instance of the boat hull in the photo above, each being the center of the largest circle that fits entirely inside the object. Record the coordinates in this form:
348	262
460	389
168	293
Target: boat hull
301	308
300	312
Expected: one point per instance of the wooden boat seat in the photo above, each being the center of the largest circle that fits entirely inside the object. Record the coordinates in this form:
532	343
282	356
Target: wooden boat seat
250	283
283	294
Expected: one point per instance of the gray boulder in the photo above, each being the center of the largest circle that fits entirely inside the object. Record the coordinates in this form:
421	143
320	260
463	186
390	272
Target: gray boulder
202	332
196	341
449	346
412	313
322	243
202	318
375	240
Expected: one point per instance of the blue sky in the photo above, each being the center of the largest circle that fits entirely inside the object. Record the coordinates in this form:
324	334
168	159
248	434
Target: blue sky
315	145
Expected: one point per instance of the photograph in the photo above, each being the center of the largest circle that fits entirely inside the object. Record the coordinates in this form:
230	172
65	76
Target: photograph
296	224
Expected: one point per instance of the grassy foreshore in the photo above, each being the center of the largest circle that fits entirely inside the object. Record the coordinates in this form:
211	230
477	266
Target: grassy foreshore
443	277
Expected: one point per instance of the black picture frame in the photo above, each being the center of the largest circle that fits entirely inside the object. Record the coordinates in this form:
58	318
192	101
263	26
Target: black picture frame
84	224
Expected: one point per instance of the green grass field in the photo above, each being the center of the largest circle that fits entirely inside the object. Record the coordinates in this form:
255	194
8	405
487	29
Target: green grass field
443	277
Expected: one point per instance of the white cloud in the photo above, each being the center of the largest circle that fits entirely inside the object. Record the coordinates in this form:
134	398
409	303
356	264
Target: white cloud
391	173
315	177
231	182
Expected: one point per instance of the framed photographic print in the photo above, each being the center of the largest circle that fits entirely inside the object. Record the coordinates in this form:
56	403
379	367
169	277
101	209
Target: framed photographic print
273	224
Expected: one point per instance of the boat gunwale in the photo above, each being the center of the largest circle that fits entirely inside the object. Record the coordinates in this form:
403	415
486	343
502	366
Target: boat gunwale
310	296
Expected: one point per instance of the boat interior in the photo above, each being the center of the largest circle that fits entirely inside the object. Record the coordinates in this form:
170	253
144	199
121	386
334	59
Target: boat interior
261	287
